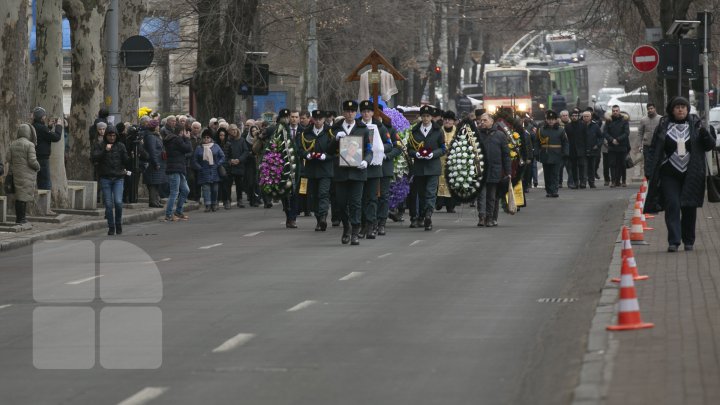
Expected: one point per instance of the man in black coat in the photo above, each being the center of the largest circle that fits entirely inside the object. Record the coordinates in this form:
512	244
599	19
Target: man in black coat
238	155
498	168
176	148
426	144
576	159
592	139
45	139
553	149
617	135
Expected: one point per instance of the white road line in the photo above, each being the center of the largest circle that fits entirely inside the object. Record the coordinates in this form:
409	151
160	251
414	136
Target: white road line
416	242
144	396
384	256
440	230
5	306
210	246
85	280
167	259
354	274
301	305
254	233
234	342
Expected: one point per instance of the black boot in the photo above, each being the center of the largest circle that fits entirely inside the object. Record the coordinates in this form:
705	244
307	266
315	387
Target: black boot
111	231
372	230
20	211
118	229
428	223
323	223
381	227
413	222
481	220
354	237
346	234
363	230
317	224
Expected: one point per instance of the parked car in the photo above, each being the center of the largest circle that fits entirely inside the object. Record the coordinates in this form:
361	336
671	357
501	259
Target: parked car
603	96
714	118
632	104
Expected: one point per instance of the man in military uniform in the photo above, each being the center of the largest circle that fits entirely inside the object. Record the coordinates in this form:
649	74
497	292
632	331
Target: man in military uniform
281	131
378	137
349	180
553	148
315	148
426	144
392	149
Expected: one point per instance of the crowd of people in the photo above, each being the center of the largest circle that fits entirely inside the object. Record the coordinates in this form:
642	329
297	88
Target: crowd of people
345	167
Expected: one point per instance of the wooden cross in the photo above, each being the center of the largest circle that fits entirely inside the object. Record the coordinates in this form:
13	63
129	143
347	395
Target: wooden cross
375	60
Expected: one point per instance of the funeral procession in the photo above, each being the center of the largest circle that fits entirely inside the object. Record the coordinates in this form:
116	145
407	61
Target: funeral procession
305	202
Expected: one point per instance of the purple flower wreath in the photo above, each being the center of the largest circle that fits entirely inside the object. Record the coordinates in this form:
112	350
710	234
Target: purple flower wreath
399	190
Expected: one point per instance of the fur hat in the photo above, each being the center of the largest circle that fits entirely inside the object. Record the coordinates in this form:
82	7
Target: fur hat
38	113
676	101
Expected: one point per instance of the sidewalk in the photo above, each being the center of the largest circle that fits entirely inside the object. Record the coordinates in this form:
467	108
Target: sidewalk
677	361
70	225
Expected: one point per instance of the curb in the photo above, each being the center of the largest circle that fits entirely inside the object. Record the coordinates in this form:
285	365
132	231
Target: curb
86	226
598	360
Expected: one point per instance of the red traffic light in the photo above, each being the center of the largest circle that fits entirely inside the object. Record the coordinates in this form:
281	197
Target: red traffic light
437	69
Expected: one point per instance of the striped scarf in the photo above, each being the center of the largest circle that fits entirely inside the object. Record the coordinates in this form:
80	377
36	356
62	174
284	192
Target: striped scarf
680	133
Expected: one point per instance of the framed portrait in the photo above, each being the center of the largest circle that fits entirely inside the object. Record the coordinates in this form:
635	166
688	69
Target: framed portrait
351	150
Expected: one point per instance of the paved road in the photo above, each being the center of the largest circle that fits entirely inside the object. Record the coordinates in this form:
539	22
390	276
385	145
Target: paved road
443	317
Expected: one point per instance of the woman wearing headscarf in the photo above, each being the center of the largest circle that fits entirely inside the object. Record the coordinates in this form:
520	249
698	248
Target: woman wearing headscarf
23	164
206	159
677	182
225	187
251	180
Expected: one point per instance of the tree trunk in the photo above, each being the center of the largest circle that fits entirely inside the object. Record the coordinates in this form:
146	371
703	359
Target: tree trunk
131	15
48	86
437	33
13	70
87	18
455	69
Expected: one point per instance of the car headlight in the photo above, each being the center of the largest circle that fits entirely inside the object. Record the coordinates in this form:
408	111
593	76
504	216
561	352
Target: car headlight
541	105
522	107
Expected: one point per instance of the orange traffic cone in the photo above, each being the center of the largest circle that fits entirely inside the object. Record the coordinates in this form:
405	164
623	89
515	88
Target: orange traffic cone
641	201
629	309
627	255
644	190
636	227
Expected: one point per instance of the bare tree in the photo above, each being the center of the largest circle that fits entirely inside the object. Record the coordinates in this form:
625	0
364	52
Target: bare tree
48	86
87	18
131	15
13	71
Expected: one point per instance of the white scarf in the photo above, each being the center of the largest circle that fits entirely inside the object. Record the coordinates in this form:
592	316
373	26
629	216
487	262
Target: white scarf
207	153
378	149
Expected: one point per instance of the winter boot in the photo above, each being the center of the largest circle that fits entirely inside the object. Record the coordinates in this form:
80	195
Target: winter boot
318	228
381	227
118	229
323	223
481	220
372	230
20	211
354	237
363	230
346	234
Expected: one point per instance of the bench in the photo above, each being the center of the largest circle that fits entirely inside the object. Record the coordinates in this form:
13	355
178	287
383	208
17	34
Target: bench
89	196
76	197
3	209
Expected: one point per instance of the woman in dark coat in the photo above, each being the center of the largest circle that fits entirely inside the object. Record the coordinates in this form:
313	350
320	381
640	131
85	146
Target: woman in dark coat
223	141
206	160
677	184
112	160
154	176
251	180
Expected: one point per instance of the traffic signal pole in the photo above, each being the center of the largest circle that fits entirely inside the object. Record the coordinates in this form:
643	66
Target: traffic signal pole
706	71
113	60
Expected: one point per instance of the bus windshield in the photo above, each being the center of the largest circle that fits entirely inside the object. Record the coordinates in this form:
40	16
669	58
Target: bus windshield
506	83
564	46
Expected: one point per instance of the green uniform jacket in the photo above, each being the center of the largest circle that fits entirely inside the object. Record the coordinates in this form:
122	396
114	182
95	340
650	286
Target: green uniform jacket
309	143
343	173
392	150
553	144
435	141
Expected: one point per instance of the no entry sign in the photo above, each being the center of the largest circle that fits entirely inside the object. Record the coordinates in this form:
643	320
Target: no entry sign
645	58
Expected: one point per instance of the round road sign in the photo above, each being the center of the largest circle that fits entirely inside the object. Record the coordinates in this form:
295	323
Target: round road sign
137	53
645	58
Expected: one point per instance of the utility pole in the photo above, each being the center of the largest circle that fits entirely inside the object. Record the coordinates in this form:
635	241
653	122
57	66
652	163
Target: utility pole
112	58
706	70
312	67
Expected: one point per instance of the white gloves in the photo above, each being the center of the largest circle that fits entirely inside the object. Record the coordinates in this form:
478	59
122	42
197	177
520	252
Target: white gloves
363	165
340	134
418	155
323	156
429	156
309	156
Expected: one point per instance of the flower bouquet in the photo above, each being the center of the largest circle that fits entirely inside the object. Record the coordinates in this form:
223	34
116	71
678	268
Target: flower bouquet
400	186
277	167
465	166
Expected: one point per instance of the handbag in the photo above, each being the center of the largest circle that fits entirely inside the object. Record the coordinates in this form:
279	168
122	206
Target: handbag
713	181
222	172
629	164
9	184
512	206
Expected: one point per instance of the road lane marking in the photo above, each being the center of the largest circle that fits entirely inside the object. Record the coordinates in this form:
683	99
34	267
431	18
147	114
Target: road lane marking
144	396
301	305
254	233
384	256
354	274
440	230
5	306
167	259
416	242
234	342
210	246
85	280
